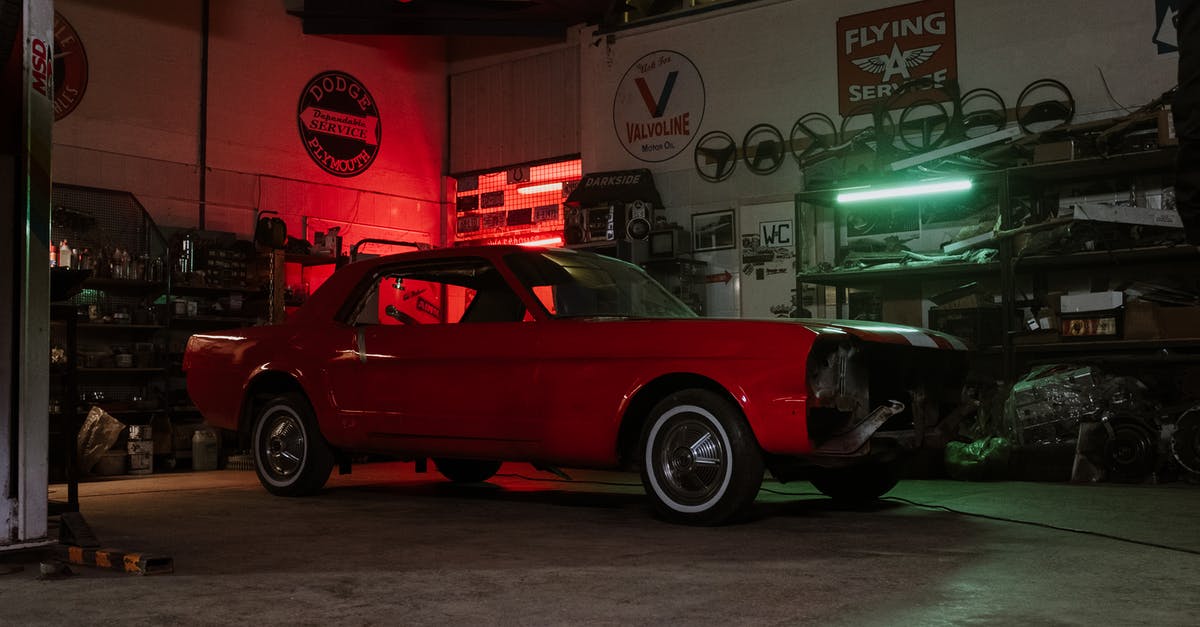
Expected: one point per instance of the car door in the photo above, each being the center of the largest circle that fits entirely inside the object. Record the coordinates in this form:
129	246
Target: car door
443	362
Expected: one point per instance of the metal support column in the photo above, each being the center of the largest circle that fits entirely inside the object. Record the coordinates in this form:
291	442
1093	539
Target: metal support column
1008	281
25	147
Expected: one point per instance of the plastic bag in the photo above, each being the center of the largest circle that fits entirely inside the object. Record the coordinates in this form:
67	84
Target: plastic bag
98	433
980	460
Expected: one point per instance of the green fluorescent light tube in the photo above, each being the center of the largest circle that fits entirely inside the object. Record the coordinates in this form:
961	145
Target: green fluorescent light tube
920	189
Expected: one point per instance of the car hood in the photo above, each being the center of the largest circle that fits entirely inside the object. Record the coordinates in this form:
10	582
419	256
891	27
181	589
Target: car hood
882	332
865	330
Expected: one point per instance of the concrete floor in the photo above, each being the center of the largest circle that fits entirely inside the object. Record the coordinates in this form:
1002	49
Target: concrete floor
388	546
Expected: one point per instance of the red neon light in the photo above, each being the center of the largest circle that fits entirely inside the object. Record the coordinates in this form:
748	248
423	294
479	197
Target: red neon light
549	241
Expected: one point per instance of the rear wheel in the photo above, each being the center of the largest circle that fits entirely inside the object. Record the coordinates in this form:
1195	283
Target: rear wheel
466	470
701	463
856	485
290	456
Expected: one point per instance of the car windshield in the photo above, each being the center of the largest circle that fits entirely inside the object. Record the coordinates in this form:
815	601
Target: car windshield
573	284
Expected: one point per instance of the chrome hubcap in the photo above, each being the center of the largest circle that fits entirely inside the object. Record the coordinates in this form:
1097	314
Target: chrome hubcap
283	445
690	460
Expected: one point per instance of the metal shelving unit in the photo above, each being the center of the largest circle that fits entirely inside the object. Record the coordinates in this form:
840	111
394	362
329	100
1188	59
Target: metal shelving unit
870	278
1010	269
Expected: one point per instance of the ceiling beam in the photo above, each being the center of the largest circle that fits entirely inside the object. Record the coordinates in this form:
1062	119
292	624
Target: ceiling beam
527	18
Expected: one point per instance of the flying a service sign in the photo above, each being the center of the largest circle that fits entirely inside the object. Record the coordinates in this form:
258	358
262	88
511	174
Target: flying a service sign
658	106
880	50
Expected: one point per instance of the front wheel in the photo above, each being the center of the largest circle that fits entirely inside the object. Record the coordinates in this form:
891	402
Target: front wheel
290	456
856	485
466	470
701	463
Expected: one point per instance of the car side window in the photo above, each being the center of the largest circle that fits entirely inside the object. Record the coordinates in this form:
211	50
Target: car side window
440	293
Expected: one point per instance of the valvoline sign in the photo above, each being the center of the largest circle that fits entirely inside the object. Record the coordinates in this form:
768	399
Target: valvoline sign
880	50
659	106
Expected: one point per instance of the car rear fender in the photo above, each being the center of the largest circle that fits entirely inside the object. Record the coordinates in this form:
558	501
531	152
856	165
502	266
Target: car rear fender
265	383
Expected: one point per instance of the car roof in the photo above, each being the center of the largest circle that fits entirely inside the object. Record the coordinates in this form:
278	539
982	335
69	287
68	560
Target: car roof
489	251
331	296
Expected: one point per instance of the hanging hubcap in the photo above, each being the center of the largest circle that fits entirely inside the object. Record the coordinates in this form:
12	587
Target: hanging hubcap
690	460
283	445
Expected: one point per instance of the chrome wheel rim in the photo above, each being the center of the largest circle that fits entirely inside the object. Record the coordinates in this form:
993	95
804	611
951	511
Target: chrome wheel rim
283	445
690	460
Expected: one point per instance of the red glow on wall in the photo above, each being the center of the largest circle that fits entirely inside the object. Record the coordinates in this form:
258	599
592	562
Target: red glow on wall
516	205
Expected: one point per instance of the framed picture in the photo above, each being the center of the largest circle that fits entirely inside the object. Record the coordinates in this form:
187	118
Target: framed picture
713	231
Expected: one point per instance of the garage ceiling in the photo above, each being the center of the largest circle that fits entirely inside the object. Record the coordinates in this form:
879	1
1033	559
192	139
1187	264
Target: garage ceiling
529	18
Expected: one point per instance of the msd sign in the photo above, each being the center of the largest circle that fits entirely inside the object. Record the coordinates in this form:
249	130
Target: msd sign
880	50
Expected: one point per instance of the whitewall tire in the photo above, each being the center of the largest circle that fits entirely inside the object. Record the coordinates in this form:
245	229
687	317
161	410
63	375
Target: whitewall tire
701	463
290	456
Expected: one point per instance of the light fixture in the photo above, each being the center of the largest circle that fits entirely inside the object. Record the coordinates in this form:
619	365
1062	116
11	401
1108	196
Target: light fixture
904	191
549	241
540	188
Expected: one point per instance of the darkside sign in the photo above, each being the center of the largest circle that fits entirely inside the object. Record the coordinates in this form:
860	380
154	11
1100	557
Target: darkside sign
339	123
880	50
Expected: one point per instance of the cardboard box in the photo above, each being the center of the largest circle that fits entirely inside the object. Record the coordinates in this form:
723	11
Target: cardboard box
1103	212
909	311
1178	322
981	327
1151	207
1054	151
1141	320
969	301
1166	128
1091	301
902	304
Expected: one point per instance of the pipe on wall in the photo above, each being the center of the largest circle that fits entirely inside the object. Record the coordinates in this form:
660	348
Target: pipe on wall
203	139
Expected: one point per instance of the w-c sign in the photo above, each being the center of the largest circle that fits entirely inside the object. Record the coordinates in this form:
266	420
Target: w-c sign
776	233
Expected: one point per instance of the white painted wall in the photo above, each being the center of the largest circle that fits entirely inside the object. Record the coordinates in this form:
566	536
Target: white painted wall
767	284
515	111
137	127
775	61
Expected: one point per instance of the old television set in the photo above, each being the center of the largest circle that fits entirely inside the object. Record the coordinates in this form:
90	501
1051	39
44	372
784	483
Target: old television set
596	224
669	243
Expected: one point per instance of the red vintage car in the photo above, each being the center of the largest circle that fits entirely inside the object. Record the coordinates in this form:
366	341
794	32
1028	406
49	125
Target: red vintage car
562	358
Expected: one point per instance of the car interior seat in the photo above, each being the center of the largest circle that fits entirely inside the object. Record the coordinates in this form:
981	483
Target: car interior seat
494	304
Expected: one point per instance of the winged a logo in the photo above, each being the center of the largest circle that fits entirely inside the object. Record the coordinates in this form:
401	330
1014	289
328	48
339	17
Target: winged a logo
897	61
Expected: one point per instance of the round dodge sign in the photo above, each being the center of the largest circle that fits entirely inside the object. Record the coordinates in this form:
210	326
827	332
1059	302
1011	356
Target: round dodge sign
658	106
339	123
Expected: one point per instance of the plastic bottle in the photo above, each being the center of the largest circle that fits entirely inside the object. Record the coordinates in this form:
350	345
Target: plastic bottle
204	449
64	255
